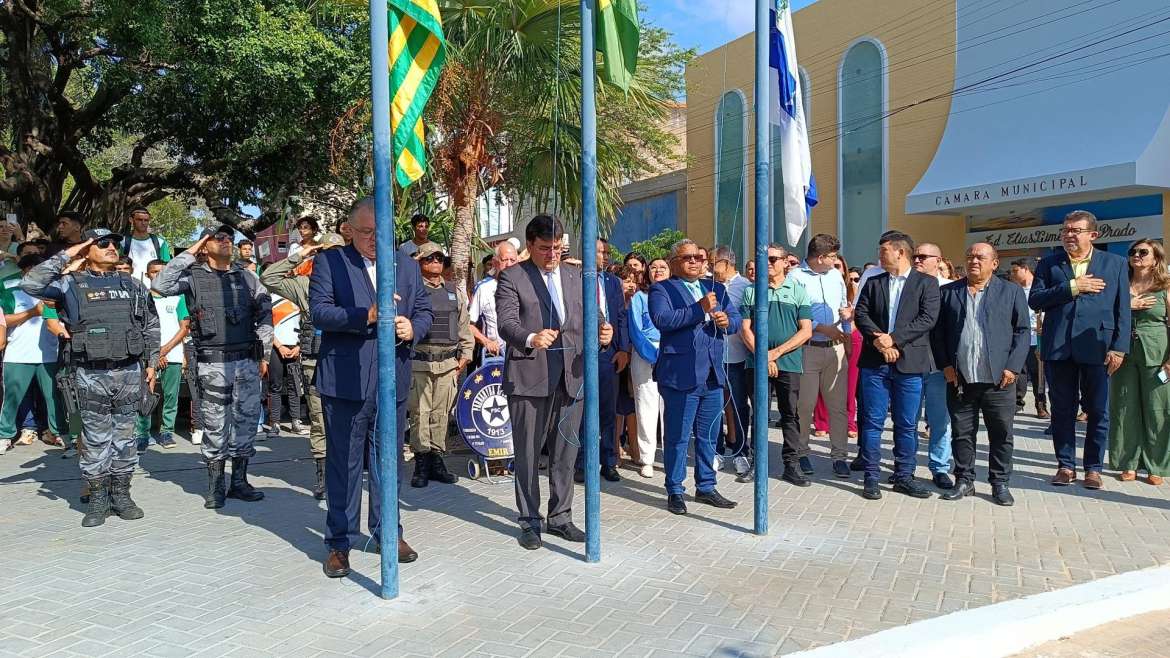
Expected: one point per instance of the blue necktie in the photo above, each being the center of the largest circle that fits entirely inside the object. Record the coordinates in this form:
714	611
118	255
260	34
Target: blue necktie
554	297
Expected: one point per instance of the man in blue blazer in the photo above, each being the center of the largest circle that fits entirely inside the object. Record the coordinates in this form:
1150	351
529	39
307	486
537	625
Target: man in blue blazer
612	359
980	343
344	305
693	315
1084	295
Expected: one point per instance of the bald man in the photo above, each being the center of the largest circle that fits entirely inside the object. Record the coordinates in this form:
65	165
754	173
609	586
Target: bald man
927	258
483	303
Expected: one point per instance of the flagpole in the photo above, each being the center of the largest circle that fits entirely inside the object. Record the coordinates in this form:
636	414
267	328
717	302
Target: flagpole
387	431
763	232
590	431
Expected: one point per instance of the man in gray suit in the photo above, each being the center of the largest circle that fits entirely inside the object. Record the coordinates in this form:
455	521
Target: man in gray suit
538	302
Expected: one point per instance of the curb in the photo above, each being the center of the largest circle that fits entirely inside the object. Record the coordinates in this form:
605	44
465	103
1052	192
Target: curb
1007	628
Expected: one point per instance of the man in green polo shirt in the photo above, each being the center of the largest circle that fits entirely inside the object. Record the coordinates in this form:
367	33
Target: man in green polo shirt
789	327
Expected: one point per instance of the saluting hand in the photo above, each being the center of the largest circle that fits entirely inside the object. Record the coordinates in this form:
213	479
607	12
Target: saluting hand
198	246
78	249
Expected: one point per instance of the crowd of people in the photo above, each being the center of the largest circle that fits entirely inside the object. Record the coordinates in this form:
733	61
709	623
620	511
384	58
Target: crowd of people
101	330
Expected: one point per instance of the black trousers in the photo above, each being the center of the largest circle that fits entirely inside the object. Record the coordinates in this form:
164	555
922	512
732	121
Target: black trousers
998	406
786	388
1031	373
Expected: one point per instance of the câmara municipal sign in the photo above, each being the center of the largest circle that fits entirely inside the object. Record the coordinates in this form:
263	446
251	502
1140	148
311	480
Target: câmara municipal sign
1012	191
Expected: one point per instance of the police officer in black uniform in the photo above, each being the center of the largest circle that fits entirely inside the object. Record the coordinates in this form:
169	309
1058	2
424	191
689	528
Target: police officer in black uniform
113	333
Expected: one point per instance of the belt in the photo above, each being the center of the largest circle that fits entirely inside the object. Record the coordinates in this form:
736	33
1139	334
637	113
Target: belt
436	357
208	356
109	364
824	343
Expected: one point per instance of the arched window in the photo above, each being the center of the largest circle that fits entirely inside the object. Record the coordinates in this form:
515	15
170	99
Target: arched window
862	164
731	170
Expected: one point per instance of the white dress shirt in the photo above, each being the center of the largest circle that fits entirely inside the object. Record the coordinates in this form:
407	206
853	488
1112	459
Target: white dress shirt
372	272
896	284
559	295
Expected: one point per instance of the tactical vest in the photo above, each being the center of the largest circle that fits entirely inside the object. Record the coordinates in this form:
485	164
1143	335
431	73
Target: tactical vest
309	338
110	322
445	307
222	316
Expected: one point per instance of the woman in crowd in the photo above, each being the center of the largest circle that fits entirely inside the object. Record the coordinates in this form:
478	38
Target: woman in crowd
633	272
635	262
644	337
308	229
1139	398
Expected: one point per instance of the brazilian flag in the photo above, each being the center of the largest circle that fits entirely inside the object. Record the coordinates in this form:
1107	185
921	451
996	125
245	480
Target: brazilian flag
417	53
616	36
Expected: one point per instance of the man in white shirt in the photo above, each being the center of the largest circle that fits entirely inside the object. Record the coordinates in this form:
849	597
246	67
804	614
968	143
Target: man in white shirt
174	326
927	258
142	246
826	362
483	303
738	412
421	225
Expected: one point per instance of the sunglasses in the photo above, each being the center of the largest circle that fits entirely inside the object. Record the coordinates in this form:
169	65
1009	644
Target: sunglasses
105	243
221	237
433	258
922	257
855	279
691	258
776	259
1139	252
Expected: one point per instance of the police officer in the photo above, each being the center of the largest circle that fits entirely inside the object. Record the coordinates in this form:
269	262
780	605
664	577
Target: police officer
231	328
438	359
289	278
113	333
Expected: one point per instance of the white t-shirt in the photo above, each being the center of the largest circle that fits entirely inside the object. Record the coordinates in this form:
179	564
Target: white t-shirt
286	321
483	304
169	311
141	253
31	342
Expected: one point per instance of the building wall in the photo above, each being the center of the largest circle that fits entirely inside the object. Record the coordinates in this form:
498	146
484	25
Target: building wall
920	63
646	217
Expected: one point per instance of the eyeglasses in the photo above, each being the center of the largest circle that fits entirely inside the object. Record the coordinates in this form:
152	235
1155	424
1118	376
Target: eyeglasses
922	257
1141	253
365	232
547	250
1075	231
691	258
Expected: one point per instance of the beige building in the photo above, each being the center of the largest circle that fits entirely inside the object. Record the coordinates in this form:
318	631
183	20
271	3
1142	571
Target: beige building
954	121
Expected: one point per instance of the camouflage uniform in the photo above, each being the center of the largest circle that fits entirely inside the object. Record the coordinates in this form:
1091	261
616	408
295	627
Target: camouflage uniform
231	328
114	328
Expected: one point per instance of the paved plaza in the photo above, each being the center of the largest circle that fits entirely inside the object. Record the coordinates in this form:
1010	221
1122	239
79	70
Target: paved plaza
247	581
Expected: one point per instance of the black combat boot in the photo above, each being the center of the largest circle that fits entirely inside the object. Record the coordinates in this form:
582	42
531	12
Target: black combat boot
99	503
240	488
216	487
422	470
319	489
120	501
438	469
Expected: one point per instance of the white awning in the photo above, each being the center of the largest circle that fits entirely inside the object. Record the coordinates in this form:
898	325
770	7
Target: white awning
1055	102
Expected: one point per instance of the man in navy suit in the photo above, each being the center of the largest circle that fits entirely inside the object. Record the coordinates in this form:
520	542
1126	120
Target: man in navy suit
612	359
693	316
895	312
1084	295
344	304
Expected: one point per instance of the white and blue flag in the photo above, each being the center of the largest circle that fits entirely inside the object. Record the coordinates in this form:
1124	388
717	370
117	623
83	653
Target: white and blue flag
800	187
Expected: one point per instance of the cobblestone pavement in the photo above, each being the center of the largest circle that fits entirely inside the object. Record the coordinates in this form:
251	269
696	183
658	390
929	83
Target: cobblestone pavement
246	580
1144	636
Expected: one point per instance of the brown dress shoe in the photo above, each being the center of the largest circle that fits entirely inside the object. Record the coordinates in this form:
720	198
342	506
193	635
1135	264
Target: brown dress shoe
405	552
1128	476
1093	480
1064	477
1154	479
337	564
1042	413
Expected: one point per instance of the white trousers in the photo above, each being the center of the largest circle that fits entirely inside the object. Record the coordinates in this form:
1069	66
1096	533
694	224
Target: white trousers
647	405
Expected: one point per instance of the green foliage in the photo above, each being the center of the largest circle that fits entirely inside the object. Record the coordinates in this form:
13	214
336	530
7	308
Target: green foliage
173	219
658	246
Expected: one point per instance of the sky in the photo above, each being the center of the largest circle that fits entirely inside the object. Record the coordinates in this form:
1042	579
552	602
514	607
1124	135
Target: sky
706	24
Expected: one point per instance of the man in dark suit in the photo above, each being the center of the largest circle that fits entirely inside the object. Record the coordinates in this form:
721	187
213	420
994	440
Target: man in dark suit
693	315
895	312
344	304
611	360
981	341
1084	295
538	302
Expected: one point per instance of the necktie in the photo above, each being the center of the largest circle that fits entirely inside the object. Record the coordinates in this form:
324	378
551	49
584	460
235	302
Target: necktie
556	299
693	286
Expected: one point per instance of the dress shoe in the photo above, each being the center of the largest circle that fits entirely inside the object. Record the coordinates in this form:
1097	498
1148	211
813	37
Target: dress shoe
871	491
959	491
714	499
806	466
529	539
943	481
911	487
794	477
675	504
1001	495
406	554
568	532
1064	477
1154	479
1093	480
579	477
610	474
1042	412
840	468
1127	476
337	564
858	464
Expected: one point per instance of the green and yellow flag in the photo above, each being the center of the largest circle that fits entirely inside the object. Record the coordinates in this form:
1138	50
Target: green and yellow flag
616	34
417	53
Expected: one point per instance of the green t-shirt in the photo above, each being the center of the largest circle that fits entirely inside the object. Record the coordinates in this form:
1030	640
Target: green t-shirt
787	305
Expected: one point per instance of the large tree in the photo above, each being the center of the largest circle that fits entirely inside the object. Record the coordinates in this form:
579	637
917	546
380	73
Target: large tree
227	102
